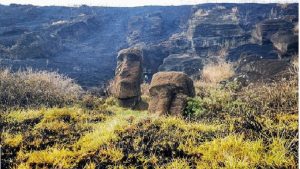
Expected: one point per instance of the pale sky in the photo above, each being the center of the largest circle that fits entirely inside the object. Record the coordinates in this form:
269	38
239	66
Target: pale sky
131	3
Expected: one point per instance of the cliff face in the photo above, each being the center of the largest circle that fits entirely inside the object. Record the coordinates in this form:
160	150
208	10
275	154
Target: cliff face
262	35
83	42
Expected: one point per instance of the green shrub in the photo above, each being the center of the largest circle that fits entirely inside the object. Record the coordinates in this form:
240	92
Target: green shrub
255	99
194	108
213	102
36	88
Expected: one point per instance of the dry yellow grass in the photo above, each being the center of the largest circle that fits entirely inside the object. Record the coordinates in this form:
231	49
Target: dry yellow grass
35	88
295	64
217	69
217	72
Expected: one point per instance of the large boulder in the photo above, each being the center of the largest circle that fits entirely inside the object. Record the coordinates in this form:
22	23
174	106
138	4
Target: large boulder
169	92
128	77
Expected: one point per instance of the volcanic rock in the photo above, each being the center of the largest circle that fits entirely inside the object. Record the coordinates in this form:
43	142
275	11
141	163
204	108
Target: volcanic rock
128	77
169	92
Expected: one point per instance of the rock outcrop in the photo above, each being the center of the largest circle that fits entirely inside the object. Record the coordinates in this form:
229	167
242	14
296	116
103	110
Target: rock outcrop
214	29
265	29
285	42
187	63
169	92
258	51
128	77
155	54
253	68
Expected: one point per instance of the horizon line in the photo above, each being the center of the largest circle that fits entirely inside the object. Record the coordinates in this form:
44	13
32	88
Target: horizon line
131	3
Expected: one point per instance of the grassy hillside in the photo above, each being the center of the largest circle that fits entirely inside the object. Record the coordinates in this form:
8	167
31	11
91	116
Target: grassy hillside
225	126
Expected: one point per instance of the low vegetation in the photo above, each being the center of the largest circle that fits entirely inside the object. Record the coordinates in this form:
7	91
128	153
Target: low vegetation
216	72
217	69
224	126
36	88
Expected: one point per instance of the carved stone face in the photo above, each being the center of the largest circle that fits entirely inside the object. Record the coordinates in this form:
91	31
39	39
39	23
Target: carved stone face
160	100
128	74
129	68
167	100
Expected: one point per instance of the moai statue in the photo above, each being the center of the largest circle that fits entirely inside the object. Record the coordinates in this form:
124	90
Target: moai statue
169	92
128	77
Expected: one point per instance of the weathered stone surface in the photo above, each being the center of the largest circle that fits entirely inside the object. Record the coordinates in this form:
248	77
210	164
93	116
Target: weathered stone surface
265	29
154	54
129	77
259	51
285	42
169	92
187	63
214	29
254	69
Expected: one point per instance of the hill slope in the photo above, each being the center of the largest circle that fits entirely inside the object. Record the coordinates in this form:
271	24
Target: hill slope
83	42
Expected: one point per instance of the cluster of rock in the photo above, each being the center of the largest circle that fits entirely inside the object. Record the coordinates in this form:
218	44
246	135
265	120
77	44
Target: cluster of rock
168	90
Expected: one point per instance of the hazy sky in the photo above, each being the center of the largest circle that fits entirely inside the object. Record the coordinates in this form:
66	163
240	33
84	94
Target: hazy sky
126	3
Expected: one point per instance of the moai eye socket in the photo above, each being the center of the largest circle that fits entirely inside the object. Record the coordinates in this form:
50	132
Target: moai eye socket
133	57
121	57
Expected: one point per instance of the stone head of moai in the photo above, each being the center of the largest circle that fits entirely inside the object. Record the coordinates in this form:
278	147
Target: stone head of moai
128	77
169	92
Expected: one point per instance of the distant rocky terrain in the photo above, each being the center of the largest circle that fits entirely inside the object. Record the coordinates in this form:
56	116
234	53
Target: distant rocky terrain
83	42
